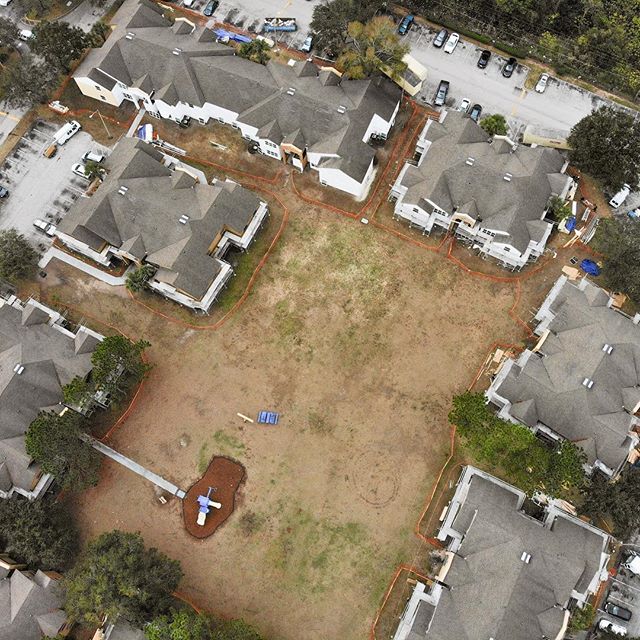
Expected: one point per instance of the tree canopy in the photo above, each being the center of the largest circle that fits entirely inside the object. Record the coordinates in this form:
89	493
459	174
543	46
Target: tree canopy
515	451
117	577
40	533
618	239
17	257
114	352
256	50
331	19
8	32
188	625
606	145
373	47
137	280
54	442
59	43
27	82
495	125
617	500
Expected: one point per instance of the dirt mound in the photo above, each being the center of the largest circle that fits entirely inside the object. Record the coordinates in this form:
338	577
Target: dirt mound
225	476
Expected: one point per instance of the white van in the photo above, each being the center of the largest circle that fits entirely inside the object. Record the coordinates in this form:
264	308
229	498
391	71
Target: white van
620	197
612	627
632	563
25	34
66	132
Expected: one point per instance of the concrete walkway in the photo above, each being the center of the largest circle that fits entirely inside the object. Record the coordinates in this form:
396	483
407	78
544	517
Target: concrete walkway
54	252
136	122
135	467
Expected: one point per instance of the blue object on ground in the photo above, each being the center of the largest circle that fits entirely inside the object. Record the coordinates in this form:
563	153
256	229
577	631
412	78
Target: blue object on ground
223	33
570	225
590	267
268	417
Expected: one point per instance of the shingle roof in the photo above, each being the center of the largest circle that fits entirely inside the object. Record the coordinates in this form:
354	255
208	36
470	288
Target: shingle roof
551	381
50	360
206	71
145	220
515	207
491	592
30	606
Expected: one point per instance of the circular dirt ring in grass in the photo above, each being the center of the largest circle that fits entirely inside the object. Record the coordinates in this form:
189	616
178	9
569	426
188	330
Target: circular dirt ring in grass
225	476
375	478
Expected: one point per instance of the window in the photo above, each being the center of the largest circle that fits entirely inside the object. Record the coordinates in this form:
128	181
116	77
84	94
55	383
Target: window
246	136
103	98
127	96
97	87
416	210
507	249
271	144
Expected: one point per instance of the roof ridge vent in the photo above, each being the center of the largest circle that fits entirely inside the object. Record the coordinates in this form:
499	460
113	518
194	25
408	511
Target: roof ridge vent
291	91
508	176
342	109
588	383
470	161
607	348
18	369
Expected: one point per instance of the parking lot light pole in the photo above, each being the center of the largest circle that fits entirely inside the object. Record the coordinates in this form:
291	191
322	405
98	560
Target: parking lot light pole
104	124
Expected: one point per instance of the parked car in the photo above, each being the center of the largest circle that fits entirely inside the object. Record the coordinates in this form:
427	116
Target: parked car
509	67
612	627
484	58
441	38
620	197
617	611
441	93
452	43
190	4
210	8
475	112
542	83
305	47
93	156
45	227
464	105
4	192
25	34
635	214
79	169
4	3
405	25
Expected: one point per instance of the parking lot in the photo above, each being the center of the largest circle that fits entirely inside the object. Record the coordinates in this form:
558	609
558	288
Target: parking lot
41	187
624	591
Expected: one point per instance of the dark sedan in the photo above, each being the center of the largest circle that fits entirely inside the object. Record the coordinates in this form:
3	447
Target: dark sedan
509	67
484	59
210	8
475	112
618	612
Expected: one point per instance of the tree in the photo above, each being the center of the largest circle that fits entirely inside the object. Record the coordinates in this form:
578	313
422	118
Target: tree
93	169
582	618
495	125
558	209
9	32
331	19
179	625
76	391
618	500
606	145
98	34
116	352
556	471
59	43
17	258
27	82
117	577
54	442
373	47
137	280
256	51
40	533
618	239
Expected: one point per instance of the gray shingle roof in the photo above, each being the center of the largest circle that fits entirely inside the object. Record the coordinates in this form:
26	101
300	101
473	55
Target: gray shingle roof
144	220
551	381
30	606
206	71
50	361
515	207
491	592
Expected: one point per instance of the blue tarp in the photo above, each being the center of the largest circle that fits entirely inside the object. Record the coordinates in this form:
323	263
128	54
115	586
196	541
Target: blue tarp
223	33
590	267
570	225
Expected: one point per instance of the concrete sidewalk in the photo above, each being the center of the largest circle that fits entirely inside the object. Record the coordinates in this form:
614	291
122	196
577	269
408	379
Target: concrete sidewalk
135	467
54	252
